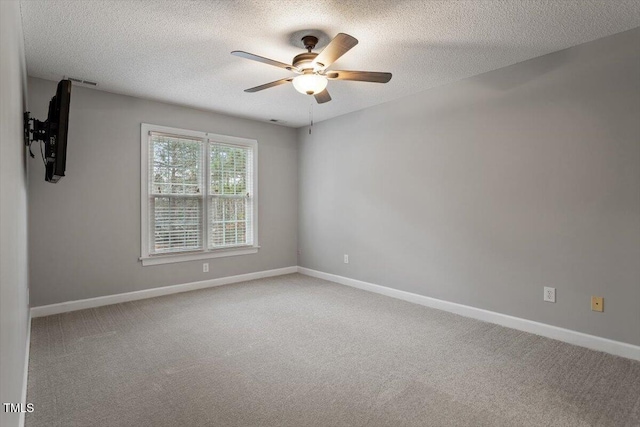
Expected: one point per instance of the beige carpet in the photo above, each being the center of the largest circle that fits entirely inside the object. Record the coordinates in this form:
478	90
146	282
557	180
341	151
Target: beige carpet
298	351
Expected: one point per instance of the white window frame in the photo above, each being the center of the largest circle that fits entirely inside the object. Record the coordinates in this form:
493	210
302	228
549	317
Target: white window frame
206	253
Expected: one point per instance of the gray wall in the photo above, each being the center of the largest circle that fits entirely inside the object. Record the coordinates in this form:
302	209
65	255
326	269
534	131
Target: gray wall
483	191
85	230
14	292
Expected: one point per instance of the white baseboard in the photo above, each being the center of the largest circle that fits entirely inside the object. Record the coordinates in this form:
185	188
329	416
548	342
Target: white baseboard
63	307
25	375
572	337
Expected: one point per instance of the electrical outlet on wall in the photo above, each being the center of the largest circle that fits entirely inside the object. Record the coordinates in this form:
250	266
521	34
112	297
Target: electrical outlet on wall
346	259
549	294
205	267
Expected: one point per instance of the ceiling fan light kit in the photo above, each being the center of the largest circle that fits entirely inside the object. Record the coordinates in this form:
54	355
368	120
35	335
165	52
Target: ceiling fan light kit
312	68
310	83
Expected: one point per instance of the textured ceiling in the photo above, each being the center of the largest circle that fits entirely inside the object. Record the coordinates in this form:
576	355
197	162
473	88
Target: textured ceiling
179	51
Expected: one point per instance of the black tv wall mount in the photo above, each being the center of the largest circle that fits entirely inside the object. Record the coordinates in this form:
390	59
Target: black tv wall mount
34	130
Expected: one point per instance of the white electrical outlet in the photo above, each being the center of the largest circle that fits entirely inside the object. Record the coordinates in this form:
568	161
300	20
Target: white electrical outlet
205	267
346	259
549	294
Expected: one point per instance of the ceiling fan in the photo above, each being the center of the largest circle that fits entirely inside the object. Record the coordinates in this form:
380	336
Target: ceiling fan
312	68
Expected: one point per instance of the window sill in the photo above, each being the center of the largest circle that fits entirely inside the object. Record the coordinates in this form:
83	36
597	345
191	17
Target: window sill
173	258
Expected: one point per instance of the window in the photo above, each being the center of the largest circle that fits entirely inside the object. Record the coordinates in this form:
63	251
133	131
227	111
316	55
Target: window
199	195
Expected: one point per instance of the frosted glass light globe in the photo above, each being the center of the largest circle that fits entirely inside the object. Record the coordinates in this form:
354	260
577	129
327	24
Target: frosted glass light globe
310	84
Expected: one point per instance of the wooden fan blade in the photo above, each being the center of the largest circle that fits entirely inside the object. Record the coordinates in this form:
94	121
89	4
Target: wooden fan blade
262	59
323	97
268	85
360	76
335	49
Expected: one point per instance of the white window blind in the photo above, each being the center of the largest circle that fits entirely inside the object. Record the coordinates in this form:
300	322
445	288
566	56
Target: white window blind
230	195
200	191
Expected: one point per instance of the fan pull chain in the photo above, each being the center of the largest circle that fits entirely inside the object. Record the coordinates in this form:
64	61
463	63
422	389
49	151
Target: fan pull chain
310	116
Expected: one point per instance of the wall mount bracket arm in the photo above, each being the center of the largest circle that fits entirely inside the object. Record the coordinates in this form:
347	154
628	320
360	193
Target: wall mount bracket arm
34	130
